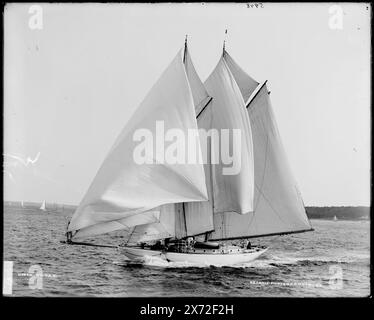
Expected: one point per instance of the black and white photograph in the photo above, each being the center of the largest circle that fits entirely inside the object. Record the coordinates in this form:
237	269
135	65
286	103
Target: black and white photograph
183	150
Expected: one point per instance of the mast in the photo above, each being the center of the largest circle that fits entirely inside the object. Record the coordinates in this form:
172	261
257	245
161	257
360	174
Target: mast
194	220
224	44
211	184
184	217
185	50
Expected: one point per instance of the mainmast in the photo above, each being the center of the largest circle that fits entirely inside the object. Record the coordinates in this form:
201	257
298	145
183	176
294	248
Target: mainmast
185	49
224	44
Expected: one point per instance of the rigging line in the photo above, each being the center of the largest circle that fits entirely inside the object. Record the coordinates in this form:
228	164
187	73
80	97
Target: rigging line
262	181
133	230
264	171
263	195
268	201
260	188
264	235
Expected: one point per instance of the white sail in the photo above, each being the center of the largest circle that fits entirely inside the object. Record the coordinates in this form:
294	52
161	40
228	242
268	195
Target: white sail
231	192
43	206
22	205
246	84
278	207
191	218
122	187
195	218
127	224
199	93
164	228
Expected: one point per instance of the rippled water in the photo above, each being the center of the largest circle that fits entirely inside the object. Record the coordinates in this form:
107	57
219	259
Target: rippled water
295	265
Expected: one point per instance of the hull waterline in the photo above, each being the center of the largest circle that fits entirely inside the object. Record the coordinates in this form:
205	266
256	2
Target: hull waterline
208	259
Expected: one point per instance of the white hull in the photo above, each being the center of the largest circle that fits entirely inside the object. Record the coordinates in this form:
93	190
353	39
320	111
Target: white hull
215	258
136	253
219	259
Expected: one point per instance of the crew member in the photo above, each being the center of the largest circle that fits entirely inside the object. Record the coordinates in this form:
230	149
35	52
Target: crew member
68	237
249	246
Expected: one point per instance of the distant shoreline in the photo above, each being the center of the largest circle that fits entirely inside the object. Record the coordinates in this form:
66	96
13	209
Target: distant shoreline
341	213
325	213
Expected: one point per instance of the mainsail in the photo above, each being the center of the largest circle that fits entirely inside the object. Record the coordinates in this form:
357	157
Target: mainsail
123	188
278	206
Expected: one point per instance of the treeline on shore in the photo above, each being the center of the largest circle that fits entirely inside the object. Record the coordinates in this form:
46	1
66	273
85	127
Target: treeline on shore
341	213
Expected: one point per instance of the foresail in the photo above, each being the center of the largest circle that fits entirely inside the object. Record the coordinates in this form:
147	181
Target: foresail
233	189
122	187
127	224
163	228
278	207
189	218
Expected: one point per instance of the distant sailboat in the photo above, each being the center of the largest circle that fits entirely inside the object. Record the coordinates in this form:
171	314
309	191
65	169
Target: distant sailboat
43	206
335	218
179	204
22	205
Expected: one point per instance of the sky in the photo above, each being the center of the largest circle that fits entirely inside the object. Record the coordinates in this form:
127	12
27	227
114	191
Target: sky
71	86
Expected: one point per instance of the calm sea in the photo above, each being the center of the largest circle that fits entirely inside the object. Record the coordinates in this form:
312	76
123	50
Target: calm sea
334	260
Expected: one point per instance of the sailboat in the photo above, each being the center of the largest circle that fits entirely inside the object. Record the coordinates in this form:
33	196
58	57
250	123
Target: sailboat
43	206
335	218
189	212
22	205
